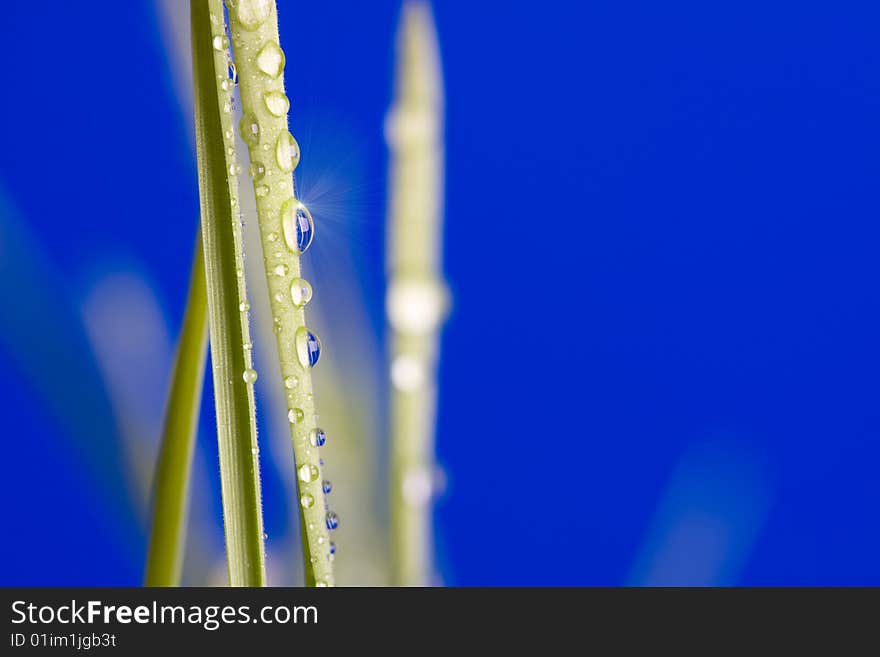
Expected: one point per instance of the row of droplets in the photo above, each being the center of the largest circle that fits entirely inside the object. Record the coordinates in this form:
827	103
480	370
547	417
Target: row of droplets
297	228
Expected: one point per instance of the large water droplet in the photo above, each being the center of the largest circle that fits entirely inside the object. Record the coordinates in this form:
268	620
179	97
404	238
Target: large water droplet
291	382
307	500
262	191
252	13
295	415
220	42
308	347
317	437
286	151
249	375
308	473
270	60
326	486
300	292
297	225
250	129
332	520
276	102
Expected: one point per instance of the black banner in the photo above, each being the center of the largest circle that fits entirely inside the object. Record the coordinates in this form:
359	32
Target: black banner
129	621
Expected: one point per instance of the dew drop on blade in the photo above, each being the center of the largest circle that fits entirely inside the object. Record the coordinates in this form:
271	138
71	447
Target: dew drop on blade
249	375
332	520
297	225
276	103
300	292
253	13
286	152
308	347
317	437
270	60
250	129
308	473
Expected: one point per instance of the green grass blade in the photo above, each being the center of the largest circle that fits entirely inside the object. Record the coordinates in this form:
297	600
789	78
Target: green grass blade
227	310
171	484
417	297
273	156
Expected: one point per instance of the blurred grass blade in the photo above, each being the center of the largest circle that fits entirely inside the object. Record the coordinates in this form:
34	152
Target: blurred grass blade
227	310
174	464
417	298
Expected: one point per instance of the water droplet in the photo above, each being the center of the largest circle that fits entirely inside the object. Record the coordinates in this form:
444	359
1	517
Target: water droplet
250	129
227	108
270	60
276	102
297	225
228	134
234	169
249	375
308	347
332	547
220	42
257	171
308	473
265	536
253	13
321	584
332	520
295	415
317	437
307	501
247	346
226	85
232	72
280	270
300	292
254	451
291	382
326	486
244	306
261	191
286	151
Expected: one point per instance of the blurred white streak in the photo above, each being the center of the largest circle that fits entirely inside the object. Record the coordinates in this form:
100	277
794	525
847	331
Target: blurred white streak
174	26
133	350
708	519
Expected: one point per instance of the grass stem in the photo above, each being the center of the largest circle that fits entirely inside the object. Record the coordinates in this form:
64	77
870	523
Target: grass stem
171	483
233	372
417	296
286	229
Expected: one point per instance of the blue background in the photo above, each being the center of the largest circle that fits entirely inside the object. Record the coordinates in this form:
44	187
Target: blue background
661	235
